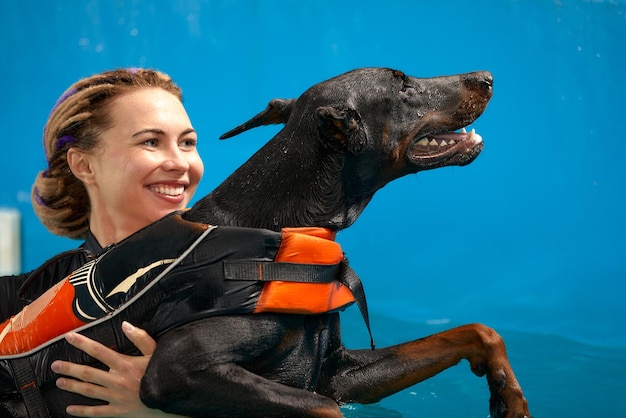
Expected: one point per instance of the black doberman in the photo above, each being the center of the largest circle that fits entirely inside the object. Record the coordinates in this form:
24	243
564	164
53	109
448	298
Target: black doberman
343	140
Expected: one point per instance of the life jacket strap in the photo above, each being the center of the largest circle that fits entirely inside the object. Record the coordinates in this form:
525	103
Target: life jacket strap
267	271
26	383
350	279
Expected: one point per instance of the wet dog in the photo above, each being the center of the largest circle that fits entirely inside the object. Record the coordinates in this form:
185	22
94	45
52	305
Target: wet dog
343	140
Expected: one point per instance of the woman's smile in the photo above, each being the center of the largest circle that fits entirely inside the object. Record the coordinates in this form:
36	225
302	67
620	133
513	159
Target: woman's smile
170	192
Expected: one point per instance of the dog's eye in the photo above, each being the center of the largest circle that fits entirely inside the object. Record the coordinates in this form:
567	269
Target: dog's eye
407	91
408	88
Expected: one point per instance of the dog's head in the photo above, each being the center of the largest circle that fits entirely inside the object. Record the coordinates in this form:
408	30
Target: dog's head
356	132
405	124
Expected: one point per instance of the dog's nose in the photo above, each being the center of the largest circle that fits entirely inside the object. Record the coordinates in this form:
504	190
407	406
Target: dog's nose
479	80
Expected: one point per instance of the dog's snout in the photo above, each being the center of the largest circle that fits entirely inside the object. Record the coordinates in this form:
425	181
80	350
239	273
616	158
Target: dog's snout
480	80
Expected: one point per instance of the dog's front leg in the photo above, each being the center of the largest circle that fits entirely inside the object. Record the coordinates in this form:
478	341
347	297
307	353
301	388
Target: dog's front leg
196	370
366	376
228	390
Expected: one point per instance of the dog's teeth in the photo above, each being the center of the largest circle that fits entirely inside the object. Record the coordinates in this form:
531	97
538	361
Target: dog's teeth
474	137
463	131
432	142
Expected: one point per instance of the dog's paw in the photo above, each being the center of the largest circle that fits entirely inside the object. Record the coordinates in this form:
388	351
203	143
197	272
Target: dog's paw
507	400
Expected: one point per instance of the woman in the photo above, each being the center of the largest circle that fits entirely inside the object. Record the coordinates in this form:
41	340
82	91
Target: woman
121	154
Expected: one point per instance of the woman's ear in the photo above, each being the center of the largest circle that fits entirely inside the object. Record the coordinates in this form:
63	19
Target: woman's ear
79	164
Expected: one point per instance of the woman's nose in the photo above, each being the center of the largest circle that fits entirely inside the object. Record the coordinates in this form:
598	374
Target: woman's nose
175	160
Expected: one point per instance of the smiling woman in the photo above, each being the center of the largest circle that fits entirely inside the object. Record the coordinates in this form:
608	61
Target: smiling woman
88	113
121	154
151	157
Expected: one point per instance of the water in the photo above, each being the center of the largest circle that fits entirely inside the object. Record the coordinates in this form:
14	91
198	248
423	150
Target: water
560	377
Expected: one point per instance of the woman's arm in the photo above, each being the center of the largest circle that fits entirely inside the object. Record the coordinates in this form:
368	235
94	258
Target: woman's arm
119	386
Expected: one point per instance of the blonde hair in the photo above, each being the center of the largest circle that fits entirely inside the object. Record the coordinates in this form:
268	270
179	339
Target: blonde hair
78	118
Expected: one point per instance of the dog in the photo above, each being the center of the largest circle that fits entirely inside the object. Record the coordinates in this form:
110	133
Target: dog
343	139
366	128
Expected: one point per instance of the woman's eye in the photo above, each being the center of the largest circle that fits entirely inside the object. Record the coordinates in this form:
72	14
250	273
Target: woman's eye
189	143
151	142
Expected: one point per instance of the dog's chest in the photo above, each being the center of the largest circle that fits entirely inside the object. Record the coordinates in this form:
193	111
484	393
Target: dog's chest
299	348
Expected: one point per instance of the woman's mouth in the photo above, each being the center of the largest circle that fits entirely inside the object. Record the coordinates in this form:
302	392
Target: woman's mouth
168	190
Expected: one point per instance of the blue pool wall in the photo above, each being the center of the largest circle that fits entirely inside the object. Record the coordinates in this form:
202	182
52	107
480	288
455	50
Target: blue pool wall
529	237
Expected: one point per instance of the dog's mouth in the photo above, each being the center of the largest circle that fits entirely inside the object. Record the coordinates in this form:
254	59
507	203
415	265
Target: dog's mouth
445	148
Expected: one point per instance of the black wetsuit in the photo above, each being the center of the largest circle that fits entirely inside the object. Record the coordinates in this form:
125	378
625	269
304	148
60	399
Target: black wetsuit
51	272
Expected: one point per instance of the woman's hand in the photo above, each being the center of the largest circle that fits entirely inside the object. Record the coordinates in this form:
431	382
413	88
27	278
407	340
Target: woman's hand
119	386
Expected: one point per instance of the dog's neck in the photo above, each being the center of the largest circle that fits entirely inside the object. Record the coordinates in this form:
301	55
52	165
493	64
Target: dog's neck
286	183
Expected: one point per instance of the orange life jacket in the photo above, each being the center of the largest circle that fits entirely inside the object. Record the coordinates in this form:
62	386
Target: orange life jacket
169	273
185	271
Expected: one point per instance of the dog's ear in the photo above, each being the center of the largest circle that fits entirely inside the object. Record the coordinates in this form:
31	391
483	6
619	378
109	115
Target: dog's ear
341	127
277	111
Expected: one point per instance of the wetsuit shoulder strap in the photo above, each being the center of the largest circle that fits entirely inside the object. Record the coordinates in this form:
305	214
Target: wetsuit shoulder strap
37	274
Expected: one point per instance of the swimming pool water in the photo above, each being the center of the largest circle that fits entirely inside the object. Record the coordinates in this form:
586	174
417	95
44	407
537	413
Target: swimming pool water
560	377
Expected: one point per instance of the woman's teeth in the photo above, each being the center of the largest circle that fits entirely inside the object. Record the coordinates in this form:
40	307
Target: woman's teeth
168	190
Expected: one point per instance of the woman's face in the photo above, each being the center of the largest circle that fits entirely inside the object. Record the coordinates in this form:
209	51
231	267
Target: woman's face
145	166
